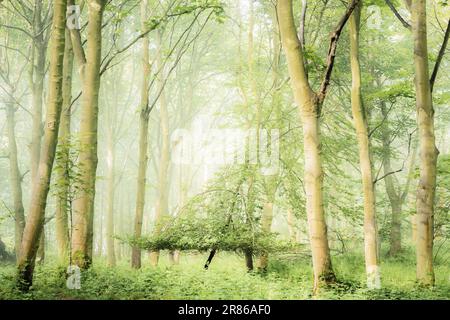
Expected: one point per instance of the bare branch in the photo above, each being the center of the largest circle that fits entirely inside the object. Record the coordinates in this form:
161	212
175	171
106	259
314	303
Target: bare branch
440	56
398	15
332	50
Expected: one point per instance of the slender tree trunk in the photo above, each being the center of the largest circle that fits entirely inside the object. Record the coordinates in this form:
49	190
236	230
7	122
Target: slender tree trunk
82	236
36	215
292	228
41	250
427	146
37	75
100	229
266	224
308	104
162	204
271	181
394	198
414	229
362	134
143	140
15	179
62	160
110	251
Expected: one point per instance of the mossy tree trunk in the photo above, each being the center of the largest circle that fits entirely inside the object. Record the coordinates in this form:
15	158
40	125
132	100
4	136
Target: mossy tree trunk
36	215
427	147
82	235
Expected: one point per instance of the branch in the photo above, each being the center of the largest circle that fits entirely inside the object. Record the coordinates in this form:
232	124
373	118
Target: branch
388	174
302	23
18	29
397	14
440	56
403	165
153	26
332	50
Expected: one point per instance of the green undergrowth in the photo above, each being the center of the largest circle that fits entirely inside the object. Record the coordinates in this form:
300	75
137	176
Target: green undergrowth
288	277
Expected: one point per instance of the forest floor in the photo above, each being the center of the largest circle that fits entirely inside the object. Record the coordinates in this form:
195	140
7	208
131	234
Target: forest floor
287	278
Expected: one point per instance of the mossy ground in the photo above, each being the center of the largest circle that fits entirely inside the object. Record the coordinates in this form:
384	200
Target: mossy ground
287	278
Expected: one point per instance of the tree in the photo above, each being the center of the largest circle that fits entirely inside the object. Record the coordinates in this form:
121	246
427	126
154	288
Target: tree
15	177
82	235
143	137
365	156
427	147
310	104
63	198
36	215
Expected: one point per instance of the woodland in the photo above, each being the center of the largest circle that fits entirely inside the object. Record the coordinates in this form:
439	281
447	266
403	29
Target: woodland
224	149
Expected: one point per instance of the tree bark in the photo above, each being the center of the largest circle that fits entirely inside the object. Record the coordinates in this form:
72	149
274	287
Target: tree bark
82	236
15	179
37	75
271	182
143	139
162	204
110	250
62	161
36	215
427	147
41	250
362	134
309	106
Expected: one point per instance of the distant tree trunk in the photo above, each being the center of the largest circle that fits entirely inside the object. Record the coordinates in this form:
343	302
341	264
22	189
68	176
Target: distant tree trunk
362	134
110	250
394	200
143	139
266	224
414	228
162	204
41	250
37	75
292	228
62	161
82	236
100	229
309	106
271	180
15	179
36	215
427	146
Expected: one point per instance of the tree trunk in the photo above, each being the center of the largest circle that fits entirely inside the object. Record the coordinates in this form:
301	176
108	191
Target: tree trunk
428	151
41	250
37	75
82	236
36	215
414	229
110	251
162	209
292	227
62	160
362	134
394	198
271	181
308	104
143	140
266	224
15	179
